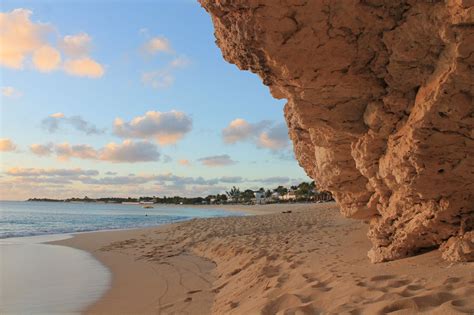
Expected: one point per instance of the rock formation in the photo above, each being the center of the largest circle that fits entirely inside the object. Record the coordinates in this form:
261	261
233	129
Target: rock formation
380	107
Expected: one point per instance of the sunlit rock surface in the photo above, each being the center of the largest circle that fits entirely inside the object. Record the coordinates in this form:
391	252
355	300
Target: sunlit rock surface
380	107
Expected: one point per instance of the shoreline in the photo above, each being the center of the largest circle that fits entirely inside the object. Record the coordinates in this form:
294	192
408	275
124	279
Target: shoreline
301	261
137	285
135	274
38	277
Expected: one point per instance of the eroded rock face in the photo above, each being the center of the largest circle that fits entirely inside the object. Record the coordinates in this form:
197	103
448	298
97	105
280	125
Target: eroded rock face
380	107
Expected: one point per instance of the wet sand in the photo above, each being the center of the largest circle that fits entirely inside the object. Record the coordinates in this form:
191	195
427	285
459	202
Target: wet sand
309	261
37	278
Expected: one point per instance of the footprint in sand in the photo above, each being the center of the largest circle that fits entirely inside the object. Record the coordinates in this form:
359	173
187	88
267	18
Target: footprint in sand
382	278
458	303
452	280
283	302
282	279
411	290
315	283
399	306
310	277
296	264
397	283
415	287
217	289
271	271
233	304
236	271
321	286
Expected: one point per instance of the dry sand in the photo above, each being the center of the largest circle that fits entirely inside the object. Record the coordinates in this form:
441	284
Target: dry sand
309	261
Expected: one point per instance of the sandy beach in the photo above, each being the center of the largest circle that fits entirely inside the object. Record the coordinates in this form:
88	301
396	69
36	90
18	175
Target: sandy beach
125	125
309	261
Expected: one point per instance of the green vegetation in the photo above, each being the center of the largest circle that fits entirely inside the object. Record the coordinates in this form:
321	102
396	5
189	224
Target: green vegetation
303	192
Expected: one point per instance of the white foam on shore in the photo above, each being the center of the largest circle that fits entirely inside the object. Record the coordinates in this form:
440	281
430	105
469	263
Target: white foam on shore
38	278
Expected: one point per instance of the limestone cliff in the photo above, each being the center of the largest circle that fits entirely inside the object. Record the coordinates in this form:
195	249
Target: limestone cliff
380	107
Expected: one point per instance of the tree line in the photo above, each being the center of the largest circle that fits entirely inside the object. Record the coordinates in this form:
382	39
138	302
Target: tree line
305	191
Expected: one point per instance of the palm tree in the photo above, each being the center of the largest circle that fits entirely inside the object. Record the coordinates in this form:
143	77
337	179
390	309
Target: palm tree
234	193
303	190
281	190
268	193
248	195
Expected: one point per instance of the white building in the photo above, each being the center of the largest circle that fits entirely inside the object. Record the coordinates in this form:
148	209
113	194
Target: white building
290	195
259	197
276	196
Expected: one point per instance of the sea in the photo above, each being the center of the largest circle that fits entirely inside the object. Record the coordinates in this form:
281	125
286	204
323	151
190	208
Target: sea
40	278
25	218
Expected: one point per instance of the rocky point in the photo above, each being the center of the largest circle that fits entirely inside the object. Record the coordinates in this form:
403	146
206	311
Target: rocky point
380	107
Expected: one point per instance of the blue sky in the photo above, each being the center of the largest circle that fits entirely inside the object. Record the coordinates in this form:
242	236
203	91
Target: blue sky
142	56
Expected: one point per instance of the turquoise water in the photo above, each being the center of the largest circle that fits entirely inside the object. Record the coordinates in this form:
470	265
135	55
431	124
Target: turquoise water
18	218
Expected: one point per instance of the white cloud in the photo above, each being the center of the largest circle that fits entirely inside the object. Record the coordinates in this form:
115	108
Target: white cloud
78	45
160	79
217	160
164	77
22	39
175	180
84	67
184	162
238	130
129	151
180	62
18	171
22	183
118	180
164	127
53	122
42	149
53	183
170	179
156	45
9	91
19	37
57	115
65	151
231	179
46	58
275	138
6	145
264	134
80	124
276	180
241	130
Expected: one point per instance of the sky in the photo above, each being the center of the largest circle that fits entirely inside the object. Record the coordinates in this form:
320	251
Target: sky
130	98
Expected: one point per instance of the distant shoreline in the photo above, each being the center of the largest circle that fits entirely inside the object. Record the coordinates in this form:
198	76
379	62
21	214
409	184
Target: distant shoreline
249	204
304	192
250	209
